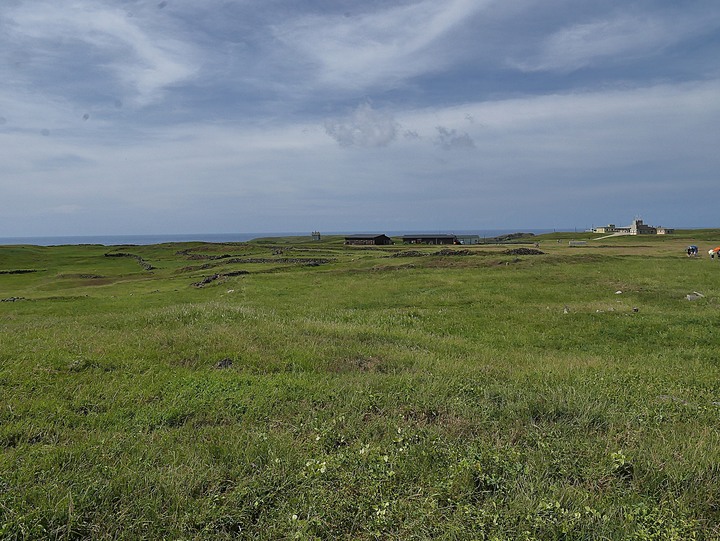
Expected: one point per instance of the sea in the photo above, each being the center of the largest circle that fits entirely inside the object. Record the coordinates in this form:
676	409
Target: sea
138	240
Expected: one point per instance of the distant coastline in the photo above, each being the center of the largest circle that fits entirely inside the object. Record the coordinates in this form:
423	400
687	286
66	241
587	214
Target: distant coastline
117	240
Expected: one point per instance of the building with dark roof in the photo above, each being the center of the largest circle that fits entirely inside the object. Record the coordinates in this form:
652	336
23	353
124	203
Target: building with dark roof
430	239
365	240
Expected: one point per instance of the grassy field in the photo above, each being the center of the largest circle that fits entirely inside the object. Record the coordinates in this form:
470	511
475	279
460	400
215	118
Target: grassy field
285	389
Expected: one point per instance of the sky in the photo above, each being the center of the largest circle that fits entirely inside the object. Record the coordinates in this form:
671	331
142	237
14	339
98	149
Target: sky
221	116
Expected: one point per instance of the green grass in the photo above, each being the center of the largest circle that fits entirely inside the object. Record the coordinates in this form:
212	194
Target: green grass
486	396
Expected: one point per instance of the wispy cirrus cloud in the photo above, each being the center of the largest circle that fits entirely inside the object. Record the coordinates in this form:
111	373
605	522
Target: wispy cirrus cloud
98	43
616	38
384	46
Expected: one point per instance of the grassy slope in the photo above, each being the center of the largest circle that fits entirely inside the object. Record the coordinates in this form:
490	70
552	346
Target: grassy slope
484	396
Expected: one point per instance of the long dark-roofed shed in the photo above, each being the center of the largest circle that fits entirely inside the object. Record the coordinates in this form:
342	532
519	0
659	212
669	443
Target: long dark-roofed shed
430	239
375	240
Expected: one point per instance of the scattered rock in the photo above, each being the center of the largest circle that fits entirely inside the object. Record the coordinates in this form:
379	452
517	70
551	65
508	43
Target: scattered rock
144	264
524	251
17	271
409	253
224	363
217	276
200	257
636	309
206	280
13	299
230	258
624	471
448	251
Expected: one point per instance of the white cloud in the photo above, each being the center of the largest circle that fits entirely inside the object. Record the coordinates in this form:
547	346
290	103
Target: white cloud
616	38
546	140
143	61
365	127
382	47
450	139
264	132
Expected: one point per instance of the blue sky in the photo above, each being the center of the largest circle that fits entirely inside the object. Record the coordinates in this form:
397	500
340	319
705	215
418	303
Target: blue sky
180	116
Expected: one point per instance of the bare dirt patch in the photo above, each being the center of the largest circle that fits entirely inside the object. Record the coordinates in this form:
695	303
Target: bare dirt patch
358	364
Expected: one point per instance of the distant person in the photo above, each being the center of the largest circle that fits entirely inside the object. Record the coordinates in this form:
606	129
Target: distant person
712	253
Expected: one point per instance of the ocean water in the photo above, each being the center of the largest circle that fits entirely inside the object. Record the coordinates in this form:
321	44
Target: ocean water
117	240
